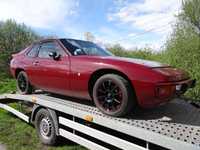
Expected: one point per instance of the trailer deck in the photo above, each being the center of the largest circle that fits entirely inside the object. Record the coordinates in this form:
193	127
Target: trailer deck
175	125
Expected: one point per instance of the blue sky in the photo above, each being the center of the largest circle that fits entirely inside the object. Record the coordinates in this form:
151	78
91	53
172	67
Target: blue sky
131	23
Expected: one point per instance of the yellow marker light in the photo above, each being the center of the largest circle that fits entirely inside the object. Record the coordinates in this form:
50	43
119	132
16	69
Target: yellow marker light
34	99
88	118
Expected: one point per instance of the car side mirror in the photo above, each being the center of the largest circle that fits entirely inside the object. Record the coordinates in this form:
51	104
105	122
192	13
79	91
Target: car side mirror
78	52
54	55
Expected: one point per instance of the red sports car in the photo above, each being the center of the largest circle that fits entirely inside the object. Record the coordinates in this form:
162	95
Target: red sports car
82	69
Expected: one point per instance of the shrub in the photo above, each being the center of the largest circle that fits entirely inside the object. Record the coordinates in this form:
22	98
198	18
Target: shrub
13	38
183	48
145	53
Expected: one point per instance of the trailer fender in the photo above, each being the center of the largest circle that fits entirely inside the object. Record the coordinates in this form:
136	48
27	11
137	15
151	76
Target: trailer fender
55	120
53	114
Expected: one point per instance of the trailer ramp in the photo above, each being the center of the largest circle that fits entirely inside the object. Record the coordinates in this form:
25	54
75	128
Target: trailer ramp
175	125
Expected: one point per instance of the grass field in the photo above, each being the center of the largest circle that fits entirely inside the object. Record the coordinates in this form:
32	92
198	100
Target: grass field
18	135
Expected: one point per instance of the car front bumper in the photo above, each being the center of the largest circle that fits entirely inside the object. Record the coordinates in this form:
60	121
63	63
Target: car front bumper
180	87
160	93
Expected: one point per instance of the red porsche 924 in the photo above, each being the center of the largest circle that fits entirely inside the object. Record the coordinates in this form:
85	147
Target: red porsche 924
82	69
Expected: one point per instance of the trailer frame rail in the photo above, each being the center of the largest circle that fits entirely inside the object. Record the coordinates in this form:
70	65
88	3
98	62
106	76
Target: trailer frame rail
87	126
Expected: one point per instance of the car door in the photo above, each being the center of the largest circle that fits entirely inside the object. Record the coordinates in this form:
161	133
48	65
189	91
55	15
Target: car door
52	75
29	61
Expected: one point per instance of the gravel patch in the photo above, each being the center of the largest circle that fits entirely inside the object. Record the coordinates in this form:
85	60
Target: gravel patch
2	147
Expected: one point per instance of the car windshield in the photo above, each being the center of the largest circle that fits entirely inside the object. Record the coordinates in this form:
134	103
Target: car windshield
78	47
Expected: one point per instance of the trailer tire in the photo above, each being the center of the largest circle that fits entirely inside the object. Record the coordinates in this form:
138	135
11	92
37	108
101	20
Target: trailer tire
45	127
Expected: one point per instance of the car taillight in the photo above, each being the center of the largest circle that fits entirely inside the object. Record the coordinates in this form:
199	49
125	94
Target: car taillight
13	55
165	91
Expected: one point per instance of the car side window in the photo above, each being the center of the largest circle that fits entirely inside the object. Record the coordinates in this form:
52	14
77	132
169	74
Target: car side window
33	52
49	47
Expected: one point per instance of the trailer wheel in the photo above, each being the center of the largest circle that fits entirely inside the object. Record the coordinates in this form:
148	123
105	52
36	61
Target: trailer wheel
45	127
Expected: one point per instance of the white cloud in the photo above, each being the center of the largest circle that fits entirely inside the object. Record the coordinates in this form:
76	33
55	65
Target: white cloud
38	13
132	34
109	36
148	16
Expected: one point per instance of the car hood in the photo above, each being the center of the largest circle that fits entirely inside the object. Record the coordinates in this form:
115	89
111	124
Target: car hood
147	63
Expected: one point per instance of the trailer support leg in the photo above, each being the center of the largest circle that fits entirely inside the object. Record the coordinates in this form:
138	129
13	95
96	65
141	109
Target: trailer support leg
147	145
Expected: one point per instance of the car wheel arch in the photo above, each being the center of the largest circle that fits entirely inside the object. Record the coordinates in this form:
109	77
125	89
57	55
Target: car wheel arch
98	73
17	71
37	108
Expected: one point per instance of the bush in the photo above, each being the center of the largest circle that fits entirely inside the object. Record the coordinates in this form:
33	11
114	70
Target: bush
183	48
145	53
13	38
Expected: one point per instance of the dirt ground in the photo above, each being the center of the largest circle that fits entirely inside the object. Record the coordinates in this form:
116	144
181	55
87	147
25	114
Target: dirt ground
2	147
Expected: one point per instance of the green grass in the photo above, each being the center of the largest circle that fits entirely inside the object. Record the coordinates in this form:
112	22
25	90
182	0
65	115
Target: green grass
7	85
18	135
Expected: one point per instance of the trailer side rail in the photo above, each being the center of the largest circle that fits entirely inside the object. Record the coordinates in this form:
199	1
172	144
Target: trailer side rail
121	125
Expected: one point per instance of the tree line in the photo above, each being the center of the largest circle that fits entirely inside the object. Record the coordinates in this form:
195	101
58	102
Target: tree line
182	49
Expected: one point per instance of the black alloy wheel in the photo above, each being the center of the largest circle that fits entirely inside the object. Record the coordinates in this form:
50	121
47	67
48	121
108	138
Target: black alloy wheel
113	95
109	95
23	84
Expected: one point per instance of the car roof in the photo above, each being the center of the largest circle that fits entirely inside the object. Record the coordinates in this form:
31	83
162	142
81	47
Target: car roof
54	39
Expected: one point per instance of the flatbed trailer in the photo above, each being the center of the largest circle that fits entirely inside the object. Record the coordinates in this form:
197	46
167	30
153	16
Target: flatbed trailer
175	125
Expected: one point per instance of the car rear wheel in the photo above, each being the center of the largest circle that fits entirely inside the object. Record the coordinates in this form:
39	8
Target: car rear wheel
23	84
113	95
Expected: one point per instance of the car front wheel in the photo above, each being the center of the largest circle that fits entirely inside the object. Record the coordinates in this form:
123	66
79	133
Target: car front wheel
113	95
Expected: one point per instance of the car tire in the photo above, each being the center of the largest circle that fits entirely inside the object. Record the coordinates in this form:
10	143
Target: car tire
113	95
23	84
45	127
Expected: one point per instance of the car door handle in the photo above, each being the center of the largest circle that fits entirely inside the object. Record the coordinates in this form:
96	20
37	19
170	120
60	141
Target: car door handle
36	63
